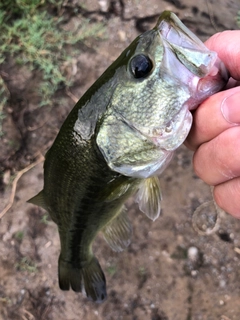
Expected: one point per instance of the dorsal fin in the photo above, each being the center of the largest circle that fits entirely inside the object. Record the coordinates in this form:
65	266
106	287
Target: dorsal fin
38	200
149	197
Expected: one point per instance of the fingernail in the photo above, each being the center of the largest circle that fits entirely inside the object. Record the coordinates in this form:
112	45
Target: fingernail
231	108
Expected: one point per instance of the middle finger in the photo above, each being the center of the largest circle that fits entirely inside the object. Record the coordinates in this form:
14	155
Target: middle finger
218	160
209	120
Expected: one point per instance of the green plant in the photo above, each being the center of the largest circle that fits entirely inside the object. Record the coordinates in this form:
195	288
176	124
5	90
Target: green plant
19	235
112	269
26	264
4	94
34	37
45	219
238	18
142	271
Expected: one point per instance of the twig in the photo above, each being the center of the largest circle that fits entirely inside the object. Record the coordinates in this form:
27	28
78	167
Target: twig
72	96
14	184
47	309
224	318
211	16
31	316
236	249
37	126
219	212
196	227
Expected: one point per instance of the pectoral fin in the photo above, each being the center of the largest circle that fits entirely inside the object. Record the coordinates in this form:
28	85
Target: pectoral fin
118	232
149	197
115	192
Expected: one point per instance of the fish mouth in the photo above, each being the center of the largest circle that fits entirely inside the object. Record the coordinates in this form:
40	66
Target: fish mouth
188	61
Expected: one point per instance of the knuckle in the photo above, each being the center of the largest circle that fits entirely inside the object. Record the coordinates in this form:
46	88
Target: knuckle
227	197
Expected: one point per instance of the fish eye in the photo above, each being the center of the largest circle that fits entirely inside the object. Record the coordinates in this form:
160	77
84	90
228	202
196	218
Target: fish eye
141	66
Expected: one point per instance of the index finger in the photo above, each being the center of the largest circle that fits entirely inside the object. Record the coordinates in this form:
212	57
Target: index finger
209	120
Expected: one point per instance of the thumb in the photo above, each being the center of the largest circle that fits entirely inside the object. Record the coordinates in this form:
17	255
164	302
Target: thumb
227	45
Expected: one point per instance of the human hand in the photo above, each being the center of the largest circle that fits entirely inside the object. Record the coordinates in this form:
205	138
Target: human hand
215	134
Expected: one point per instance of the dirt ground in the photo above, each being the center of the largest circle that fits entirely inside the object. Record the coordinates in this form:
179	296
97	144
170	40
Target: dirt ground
170	271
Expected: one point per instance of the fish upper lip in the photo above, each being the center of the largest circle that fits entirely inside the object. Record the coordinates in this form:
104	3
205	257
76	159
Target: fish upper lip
185	45
181	35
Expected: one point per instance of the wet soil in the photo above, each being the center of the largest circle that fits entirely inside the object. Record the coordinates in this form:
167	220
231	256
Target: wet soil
171	270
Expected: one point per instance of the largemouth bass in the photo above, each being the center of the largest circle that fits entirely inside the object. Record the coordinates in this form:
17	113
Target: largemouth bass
117	139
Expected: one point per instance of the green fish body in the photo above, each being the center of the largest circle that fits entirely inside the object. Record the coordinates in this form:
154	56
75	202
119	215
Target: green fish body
119	136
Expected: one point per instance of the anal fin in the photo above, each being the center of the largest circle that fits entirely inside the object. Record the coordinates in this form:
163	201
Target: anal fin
118	232
149	197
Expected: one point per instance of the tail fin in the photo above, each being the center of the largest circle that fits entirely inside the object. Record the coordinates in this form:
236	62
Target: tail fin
89	279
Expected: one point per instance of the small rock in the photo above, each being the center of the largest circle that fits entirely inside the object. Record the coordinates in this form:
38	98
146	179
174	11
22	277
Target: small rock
103	5
193	254
122	35
6	177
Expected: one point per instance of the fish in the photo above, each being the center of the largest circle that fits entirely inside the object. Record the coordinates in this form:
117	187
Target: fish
118	139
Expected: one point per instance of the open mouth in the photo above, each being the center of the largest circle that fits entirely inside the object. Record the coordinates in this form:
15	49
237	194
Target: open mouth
187	47
172	29
188	61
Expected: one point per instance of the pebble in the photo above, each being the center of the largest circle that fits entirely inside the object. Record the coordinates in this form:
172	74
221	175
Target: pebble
193	254
103	5
6	177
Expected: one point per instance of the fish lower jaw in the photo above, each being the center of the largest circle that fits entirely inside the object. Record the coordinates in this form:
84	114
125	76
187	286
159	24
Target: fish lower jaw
144	170
202	89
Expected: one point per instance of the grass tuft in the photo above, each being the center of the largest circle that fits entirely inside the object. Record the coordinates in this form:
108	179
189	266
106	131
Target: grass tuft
26	264
238	18
35	38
